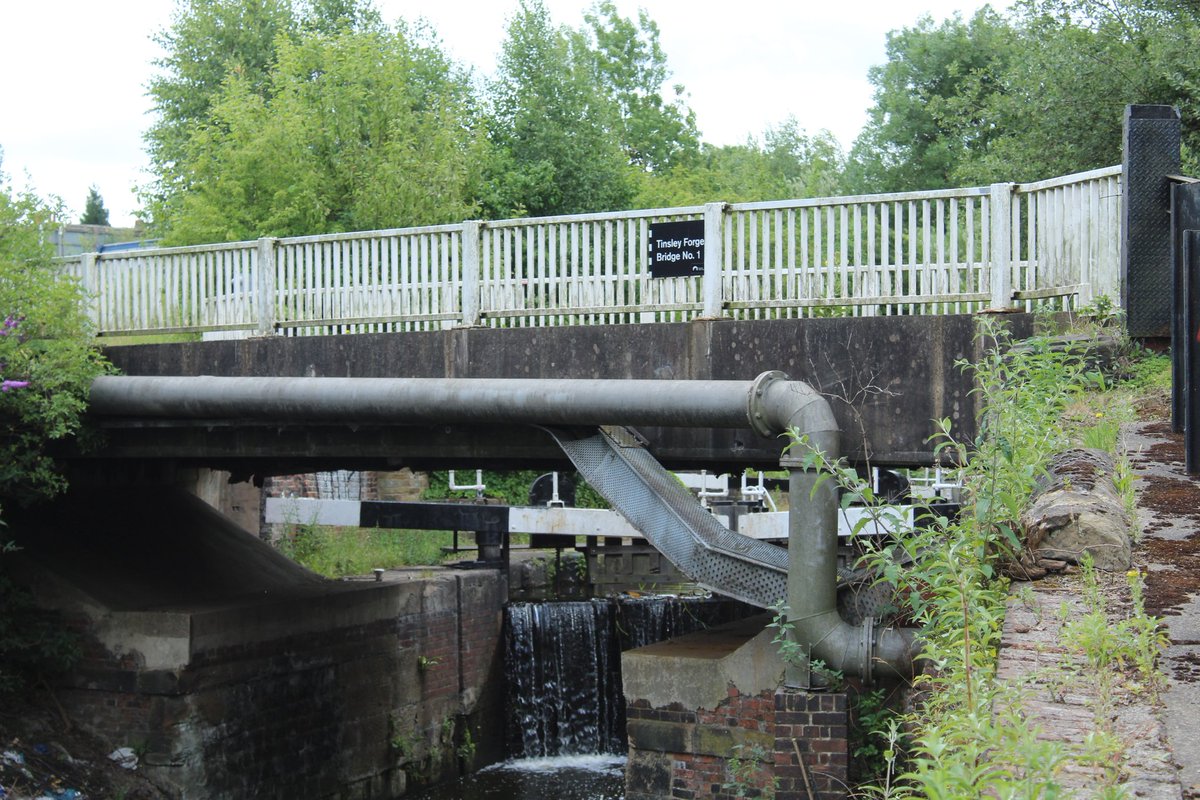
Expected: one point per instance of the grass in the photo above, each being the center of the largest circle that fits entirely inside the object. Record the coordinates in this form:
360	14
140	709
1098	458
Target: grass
338	552
1094	417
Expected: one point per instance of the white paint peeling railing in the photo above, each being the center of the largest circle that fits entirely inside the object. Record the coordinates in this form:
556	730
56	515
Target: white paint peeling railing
952	251
404	279
1067	237
189	289
913	253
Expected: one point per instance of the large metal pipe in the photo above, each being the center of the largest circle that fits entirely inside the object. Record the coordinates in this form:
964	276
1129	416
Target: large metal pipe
770	404
861	650
710	404
812	548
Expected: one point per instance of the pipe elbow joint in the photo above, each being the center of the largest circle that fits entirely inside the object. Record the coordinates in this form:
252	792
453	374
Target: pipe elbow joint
778	405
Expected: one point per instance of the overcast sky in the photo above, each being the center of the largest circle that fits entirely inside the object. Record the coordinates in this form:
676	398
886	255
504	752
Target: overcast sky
74	73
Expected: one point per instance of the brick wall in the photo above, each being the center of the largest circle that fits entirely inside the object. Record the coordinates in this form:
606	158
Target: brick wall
812	754
686	753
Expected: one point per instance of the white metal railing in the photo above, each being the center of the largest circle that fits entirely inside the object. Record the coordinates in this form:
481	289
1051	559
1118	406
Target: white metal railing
951	251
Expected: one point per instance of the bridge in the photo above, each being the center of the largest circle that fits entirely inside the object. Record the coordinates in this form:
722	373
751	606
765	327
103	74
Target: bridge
868	299
866	303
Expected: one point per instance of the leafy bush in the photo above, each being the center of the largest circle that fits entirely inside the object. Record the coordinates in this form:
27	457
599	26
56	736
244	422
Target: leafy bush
34	643
47	363
47	355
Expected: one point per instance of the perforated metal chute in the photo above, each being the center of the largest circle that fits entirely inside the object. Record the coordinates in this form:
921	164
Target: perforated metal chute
667	514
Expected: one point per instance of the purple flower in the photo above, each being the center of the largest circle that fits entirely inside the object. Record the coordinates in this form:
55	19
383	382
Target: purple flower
7	385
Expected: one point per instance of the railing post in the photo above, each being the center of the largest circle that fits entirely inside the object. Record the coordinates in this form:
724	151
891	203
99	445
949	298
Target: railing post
714	218
469	272
1000	224
265	286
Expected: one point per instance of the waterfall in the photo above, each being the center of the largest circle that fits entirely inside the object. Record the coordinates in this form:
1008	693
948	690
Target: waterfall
563	663
563	667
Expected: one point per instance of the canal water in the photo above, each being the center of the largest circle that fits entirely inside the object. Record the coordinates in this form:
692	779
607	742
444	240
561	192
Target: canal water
581	777
565	730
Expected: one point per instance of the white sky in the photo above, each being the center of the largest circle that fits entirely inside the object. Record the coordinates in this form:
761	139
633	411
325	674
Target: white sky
73	73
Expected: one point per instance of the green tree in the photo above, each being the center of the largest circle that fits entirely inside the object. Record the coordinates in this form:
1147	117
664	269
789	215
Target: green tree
208	44
809	166
47	356
207	41
730	173
94	212
920	129
358	130
787	164
1081	62
335	16
631	66
1037	94
553	124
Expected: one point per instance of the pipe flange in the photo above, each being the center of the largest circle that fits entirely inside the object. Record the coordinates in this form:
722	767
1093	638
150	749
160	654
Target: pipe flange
867	650
756	409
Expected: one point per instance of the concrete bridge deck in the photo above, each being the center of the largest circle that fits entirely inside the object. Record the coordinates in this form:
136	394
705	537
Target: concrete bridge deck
887	378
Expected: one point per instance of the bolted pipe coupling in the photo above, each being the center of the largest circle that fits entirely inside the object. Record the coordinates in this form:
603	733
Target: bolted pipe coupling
866	649
760	416
777	404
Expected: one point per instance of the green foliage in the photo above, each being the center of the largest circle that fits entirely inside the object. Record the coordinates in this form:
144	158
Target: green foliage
874	730
788	163
967	740
1110	646
510	487
918	132
94	212
552	119
207	41
337	552
630	65
1038	93
1152	372
356	130
750	773
401	739
466	749
47	355
35	644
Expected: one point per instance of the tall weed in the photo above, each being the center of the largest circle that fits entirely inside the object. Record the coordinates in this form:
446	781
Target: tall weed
965	744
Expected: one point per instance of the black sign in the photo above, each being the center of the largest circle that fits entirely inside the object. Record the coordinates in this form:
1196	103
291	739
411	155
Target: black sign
677	249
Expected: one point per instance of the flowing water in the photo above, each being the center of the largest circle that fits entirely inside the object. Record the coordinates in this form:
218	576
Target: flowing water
565	730
591	777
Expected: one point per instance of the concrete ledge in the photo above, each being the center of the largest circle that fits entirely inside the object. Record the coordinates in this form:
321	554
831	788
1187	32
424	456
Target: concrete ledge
696	671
